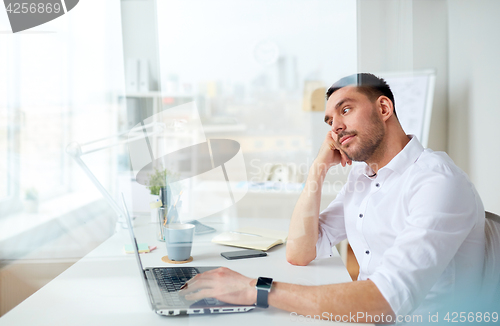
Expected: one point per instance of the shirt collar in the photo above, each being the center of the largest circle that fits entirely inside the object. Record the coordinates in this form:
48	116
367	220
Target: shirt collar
399	163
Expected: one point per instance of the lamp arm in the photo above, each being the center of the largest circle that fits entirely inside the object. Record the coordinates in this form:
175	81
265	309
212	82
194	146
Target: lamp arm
74	150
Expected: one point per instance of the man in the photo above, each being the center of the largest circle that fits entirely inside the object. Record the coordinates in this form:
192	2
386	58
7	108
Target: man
413	219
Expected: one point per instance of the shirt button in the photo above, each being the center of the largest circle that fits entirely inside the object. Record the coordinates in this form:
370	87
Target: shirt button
367	252
377	185
361	215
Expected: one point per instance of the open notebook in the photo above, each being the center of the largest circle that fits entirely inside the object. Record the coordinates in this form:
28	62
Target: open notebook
252	238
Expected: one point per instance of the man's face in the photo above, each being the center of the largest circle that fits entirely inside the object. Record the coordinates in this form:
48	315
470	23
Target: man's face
358	129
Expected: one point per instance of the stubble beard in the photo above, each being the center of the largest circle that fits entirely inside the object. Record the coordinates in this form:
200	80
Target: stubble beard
368	143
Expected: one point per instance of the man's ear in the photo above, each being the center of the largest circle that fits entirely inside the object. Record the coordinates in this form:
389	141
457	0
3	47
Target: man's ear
386	107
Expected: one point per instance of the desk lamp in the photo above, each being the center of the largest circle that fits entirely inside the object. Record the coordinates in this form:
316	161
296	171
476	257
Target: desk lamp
75	150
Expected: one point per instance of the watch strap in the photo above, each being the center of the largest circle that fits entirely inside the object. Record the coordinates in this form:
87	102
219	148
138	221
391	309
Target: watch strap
262	295
263	286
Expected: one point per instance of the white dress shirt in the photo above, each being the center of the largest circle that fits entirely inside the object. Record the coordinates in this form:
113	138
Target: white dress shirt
416	228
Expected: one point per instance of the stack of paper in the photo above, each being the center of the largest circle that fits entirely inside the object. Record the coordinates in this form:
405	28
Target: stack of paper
252	238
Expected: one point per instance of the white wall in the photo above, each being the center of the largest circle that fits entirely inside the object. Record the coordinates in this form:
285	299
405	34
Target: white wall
474	111
458	38
407	35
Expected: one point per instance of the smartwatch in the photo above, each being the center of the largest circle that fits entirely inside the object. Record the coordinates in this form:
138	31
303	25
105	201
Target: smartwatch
263	287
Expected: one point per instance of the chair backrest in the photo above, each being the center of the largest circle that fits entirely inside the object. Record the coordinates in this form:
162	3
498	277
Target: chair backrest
491	281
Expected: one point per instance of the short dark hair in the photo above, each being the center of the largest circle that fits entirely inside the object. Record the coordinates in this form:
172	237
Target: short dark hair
370	85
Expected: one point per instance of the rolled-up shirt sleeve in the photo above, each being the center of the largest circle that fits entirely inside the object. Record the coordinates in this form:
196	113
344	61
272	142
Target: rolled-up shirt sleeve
442	211
331	227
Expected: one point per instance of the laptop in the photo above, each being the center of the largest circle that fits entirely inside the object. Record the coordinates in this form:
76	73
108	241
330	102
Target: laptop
162	285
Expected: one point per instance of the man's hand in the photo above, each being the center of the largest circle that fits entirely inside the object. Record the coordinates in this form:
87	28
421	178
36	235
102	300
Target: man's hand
334	299
330	153
222	284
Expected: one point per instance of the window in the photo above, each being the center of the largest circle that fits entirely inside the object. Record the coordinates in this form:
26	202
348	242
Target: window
9	132
59	82
252	72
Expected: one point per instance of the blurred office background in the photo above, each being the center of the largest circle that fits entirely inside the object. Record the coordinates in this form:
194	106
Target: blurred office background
249	66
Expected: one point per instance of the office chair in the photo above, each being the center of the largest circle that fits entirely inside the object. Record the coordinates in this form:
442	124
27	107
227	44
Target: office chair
491	276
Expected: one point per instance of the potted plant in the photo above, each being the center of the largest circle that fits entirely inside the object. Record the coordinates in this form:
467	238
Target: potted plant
158	180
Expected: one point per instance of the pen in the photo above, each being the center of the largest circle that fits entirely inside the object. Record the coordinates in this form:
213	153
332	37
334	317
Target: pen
170	211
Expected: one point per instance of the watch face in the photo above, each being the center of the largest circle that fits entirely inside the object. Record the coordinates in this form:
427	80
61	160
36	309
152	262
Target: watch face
264	283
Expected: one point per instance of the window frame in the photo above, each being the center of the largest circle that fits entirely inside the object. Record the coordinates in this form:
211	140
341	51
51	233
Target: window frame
12	202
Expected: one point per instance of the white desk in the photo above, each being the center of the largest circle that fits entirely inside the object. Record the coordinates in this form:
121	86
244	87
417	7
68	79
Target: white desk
104	288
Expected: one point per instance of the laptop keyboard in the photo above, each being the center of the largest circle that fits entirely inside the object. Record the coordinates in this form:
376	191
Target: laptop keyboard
170	281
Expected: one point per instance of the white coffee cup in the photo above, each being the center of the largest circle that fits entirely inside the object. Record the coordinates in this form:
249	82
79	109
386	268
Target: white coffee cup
179	240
